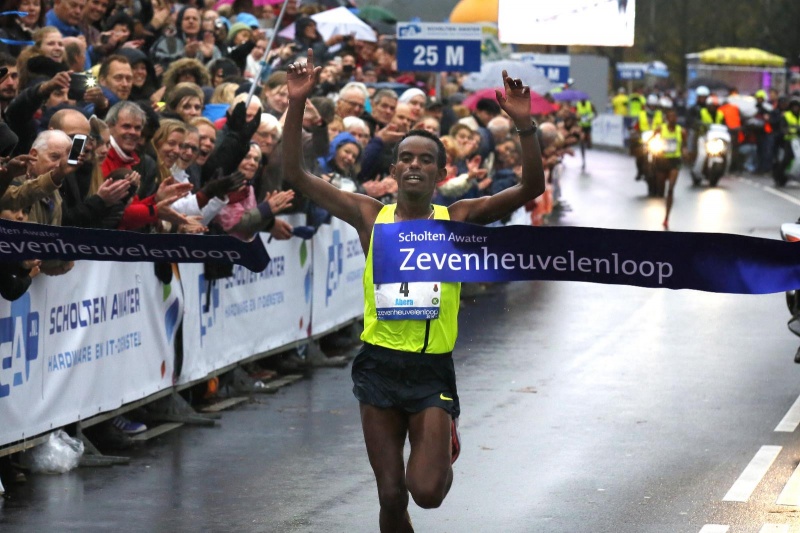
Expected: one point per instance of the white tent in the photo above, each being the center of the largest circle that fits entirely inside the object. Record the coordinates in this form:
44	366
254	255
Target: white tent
339	21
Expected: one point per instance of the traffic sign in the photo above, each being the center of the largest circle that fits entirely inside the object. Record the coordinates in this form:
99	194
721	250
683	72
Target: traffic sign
425	46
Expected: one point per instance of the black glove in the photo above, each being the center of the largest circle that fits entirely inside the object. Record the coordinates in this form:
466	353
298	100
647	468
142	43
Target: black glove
220	186
237	121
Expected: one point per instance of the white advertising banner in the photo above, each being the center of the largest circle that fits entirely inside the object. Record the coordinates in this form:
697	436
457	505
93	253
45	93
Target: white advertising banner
83	343
248	313
609	130
338	270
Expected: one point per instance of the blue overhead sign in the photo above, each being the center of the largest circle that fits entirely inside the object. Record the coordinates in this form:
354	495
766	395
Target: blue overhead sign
631	71
442	47
555	67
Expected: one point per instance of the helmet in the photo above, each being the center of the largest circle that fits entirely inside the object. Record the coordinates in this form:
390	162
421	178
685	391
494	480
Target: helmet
702	91
761	93
652	100
665	102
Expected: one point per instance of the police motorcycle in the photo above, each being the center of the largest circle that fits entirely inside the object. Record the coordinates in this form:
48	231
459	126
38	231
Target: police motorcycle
641	136
791	233
653	147
713	155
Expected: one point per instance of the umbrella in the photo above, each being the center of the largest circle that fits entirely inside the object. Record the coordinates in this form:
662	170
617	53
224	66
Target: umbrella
339	21
659	69
712	84
376	14
749	57
569	95
539	105
491	74
394	86
255	3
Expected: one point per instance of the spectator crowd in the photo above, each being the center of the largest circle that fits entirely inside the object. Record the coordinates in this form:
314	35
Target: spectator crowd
182	106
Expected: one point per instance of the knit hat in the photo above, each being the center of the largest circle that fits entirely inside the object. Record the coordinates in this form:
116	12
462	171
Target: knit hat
408	94
246	18
236	28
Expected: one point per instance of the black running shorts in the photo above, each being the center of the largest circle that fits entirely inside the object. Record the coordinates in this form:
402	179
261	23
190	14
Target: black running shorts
405	380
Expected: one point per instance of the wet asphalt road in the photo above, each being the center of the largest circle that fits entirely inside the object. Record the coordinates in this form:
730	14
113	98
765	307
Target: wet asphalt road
585	408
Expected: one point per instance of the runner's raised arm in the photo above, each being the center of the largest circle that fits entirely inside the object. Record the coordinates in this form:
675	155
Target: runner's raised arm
357	210
517	103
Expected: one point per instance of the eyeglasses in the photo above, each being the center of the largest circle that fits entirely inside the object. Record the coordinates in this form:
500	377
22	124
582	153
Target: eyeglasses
191	147
357	105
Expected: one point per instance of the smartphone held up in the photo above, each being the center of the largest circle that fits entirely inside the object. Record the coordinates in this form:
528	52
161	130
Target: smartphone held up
78	144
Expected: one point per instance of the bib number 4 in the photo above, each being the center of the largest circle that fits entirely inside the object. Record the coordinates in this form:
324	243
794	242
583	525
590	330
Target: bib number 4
408	301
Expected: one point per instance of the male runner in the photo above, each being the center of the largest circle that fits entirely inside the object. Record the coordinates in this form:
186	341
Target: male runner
403	376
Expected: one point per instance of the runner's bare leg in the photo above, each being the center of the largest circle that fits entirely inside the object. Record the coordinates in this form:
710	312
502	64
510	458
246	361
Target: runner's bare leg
385	436
429	473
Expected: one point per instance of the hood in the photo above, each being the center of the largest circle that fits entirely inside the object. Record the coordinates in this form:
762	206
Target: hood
339	140
137	56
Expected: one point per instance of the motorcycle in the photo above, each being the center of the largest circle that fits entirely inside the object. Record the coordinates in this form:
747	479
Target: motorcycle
652	147
791	233
792	171
713	155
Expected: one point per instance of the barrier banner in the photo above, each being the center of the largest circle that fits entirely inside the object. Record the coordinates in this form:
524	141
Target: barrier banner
609	130
338	270
19	241
436	250
230	319
95	339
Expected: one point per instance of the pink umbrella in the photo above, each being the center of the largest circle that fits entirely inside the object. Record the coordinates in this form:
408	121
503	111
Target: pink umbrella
539	105
255	3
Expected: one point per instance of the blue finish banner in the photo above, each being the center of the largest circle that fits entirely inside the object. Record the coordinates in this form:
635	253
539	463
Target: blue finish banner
435	250
19	240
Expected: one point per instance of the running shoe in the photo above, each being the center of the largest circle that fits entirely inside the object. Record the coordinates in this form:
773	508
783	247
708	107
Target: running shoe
128	426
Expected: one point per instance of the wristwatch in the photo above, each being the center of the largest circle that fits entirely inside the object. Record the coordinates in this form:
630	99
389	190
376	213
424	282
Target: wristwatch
527	131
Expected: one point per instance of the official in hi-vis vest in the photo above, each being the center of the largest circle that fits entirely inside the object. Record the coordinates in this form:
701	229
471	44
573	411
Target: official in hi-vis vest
790	130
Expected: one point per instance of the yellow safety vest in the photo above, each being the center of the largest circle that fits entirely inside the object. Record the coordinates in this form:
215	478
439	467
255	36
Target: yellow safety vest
705	117
636	105
644	121
794	125
436	336
620	104
673	141
585	113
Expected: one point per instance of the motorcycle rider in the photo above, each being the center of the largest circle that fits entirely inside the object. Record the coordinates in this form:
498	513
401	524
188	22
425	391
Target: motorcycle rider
711	114
669	164
790	129
650	119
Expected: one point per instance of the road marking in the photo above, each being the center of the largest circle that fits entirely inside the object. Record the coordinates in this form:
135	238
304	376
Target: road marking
714	528
790	495
752	475
792	418
774	528
771	190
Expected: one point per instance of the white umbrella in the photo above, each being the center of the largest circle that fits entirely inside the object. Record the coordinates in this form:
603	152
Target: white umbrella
339	21
491	75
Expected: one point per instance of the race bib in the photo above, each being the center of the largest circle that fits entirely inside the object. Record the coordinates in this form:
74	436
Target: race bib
408	301
670	145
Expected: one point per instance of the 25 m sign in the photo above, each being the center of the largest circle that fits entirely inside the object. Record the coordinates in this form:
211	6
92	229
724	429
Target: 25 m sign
439	47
